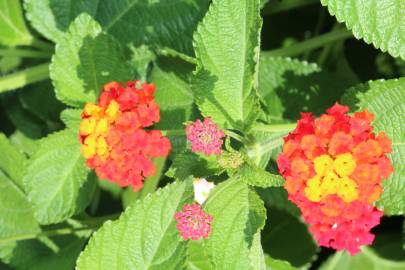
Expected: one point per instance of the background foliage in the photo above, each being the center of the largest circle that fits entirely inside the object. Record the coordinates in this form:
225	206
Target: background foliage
251	65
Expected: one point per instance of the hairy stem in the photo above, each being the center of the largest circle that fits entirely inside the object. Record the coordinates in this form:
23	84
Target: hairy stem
173	53
274	127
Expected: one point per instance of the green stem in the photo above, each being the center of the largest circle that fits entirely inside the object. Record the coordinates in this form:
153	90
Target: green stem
91	224
234	135
25	53
310	44
173	53
45	46
274	127
276	7
24	77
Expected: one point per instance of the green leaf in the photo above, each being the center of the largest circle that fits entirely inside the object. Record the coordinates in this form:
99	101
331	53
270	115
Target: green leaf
227	50
72	118
274	77
57	179
173	93
144	237
164	22
52	18
21	118
258	177
35	255
278	198
13	31
288	87
273	264
23	143
228	243
16	217
40	100
187	163
12	161
366	259
140	61
8	63
379	22
86	59
385	99
197	259
287	238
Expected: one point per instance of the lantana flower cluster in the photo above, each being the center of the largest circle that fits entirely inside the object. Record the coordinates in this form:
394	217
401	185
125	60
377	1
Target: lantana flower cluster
114	141
333	168
192	222
205	137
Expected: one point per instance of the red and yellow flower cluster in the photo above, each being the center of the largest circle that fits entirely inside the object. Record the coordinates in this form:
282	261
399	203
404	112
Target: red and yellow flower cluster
333	168
113	138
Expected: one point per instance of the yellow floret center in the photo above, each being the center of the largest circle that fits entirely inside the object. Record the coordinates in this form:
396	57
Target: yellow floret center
332	178
96	127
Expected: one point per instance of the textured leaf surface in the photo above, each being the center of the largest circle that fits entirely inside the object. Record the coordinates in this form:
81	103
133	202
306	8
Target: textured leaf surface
86	59
57	179
187	163
385	99
285	82
13	31
72	118
255	176
227	50
164	22
144	237
16	217
228	244
274	76
381	22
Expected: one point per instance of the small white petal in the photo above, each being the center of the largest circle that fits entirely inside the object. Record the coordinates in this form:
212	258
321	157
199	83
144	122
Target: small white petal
202	189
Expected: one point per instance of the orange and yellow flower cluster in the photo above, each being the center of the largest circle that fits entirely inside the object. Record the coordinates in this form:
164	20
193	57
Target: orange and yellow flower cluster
333	168
113	138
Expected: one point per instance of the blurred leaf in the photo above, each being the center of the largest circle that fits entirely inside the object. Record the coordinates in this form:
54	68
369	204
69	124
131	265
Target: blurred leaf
57	180
379	22
144	237
164	22
385	99
227	50
13	31
278	198
86	59
368	258
16	216
12	161
35	255
22	119
287	238
40	100
23	143
273	264
8	63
